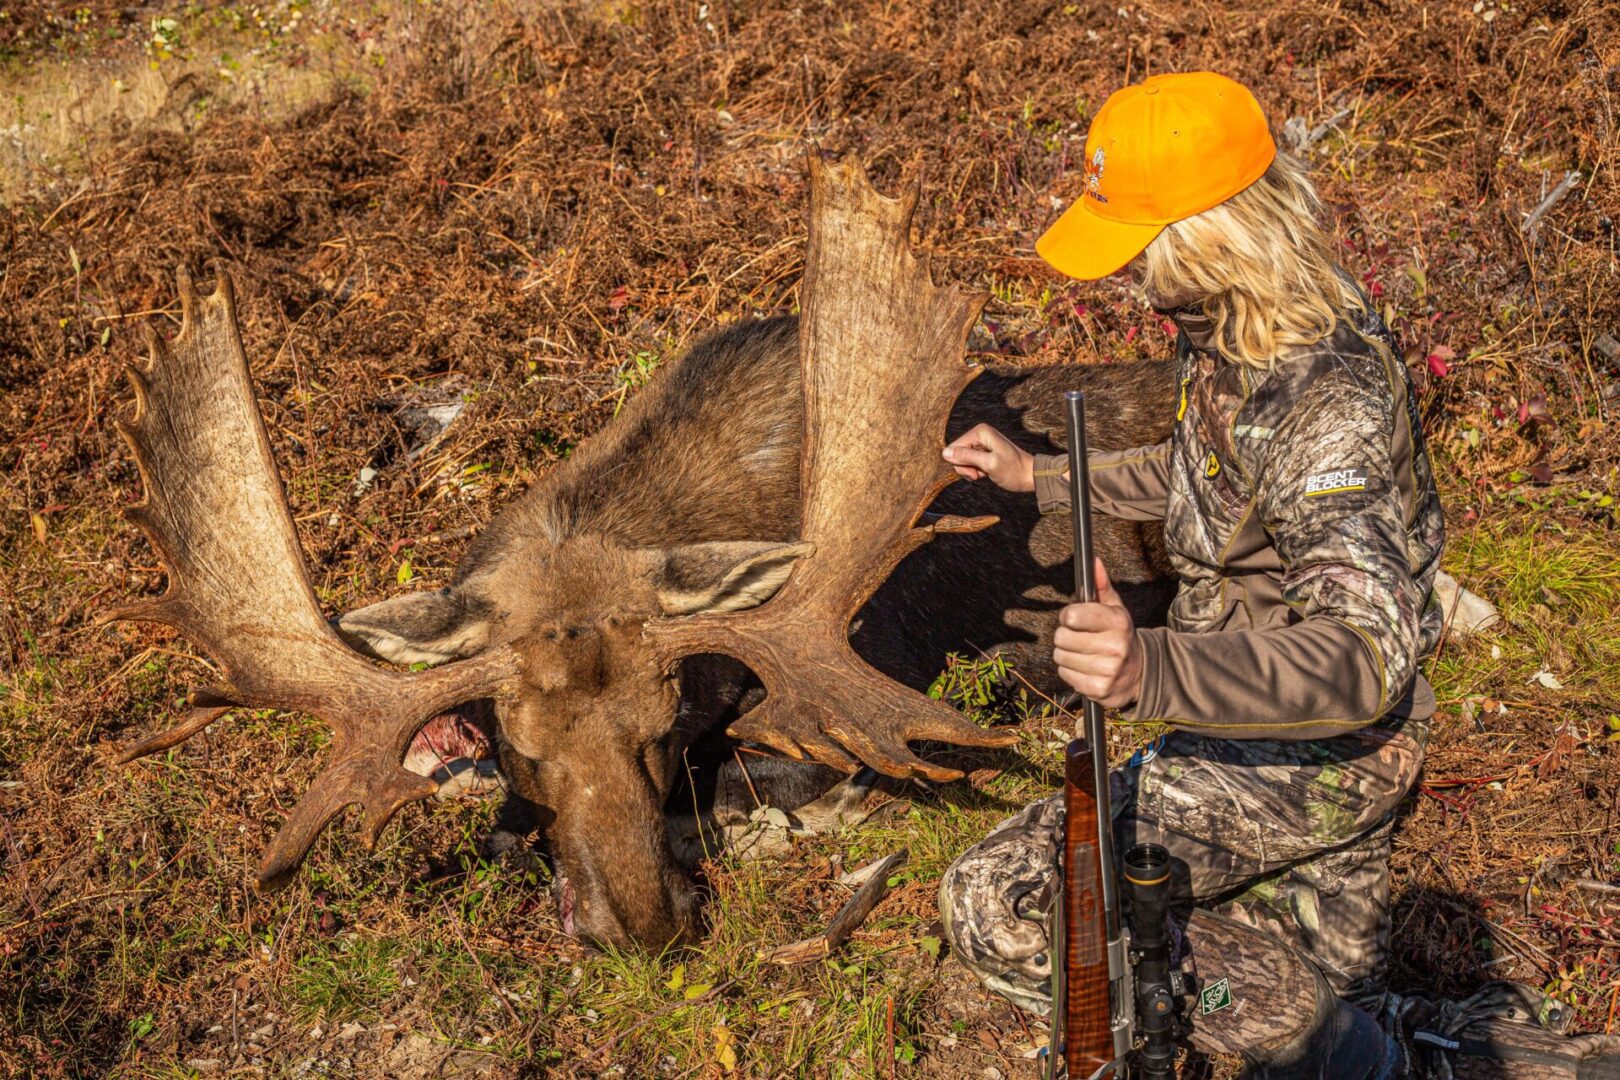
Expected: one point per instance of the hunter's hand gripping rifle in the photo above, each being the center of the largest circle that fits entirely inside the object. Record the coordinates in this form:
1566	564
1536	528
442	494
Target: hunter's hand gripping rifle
1114	996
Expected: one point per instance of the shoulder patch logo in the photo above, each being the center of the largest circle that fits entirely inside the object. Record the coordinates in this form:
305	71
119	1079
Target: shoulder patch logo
1212	466
1215	997
1329	483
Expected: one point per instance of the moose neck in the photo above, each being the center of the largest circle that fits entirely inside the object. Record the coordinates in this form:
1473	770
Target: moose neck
707	450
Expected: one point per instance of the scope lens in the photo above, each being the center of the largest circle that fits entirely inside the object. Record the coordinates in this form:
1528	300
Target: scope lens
1147	860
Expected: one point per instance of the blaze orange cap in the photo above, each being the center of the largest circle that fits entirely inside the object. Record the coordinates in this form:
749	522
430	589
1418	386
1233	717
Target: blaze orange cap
1162	150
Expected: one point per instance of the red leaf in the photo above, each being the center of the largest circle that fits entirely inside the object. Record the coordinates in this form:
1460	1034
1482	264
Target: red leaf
1541	472
1169	326
1437	364
620	297
1130	335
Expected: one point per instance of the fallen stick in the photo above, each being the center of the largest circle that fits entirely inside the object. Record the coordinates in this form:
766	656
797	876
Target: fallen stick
1319	132
850	916
1554	197
444	536
1302	138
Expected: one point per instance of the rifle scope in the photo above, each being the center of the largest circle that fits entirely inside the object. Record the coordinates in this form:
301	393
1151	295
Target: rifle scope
1147	885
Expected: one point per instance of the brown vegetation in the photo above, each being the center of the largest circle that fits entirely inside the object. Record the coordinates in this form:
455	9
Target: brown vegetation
530	211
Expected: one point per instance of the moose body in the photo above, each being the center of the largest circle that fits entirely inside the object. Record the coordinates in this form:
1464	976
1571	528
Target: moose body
654	515
616	615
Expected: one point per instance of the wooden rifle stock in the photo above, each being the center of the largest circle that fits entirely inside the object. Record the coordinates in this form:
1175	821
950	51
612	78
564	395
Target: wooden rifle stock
1086	1012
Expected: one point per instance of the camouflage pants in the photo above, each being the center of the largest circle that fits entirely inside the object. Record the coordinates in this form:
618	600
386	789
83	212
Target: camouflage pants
1291	839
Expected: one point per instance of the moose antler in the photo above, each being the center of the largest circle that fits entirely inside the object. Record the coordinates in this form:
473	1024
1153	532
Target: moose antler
216	514
882	353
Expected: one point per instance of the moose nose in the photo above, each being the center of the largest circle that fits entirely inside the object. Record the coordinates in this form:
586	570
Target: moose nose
596	916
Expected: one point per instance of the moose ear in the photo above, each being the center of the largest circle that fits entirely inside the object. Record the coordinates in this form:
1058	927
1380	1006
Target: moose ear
725	575
419	627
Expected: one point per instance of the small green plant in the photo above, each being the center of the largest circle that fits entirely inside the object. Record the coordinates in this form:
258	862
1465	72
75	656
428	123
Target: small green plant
986	689
140	1027
633	374
164	43
549	442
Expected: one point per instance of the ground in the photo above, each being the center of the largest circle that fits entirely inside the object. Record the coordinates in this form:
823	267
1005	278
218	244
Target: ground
527	209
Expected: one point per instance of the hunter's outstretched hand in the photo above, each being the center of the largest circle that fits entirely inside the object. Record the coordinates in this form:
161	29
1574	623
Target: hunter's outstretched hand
984	451
1096	650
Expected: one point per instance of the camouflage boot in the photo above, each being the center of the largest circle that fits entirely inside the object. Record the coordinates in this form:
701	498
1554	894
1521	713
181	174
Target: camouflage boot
1504	1031
1288	1024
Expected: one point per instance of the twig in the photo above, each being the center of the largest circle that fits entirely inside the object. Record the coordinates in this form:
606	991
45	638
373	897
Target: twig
1304	139
850	916
1497	928
888	1026
749	780
1554	197
1597	886
76	901
443	536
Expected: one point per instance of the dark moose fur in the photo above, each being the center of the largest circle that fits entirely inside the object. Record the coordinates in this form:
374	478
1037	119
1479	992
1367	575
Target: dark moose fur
709	451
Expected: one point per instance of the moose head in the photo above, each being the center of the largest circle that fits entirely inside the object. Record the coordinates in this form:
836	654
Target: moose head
583	647
592	734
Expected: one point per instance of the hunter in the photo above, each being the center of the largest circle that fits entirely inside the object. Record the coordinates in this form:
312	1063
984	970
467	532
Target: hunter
1300	512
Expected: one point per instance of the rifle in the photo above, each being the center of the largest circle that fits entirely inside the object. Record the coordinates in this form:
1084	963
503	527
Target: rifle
1115	998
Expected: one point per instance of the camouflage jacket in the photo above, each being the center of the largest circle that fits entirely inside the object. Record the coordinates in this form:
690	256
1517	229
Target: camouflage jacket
1301	515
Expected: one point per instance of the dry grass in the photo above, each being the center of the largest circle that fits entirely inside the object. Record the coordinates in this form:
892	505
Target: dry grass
530	209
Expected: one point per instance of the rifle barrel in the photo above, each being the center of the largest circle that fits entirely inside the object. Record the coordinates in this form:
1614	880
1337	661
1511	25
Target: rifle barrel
1085	587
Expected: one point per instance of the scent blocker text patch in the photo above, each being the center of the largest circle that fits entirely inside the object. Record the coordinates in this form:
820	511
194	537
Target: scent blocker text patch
1326	483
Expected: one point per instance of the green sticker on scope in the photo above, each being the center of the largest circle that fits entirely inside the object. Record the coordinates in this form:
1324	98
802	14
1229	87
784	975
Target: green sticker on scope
1215	997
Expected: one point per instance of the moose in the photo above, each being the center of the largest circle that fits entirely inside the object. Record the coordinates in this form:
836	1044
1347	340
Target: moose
741	558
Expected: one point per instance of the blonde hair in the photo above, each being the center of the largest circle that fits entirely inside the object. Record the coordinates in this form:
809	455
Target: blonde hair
1261	265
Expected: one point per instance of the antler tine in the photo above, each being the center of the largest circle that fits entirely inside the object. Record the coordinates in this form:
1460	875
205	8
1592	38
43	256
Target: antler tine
197	718
215	512
332	790
877	338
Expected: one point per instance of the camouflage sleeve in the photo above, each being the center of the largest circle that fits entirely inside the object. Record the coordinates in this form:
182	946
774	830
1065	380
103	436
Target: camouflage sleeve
1325	491
1129	484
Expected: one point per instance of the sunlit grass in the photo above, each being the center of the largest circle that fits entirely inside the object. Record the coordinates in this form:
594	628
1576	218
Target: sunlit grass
1558	592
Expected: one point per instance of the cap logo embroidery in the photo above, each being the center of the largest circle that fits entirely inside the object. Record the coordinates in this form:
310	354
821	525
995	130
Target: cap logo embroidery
1094	172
